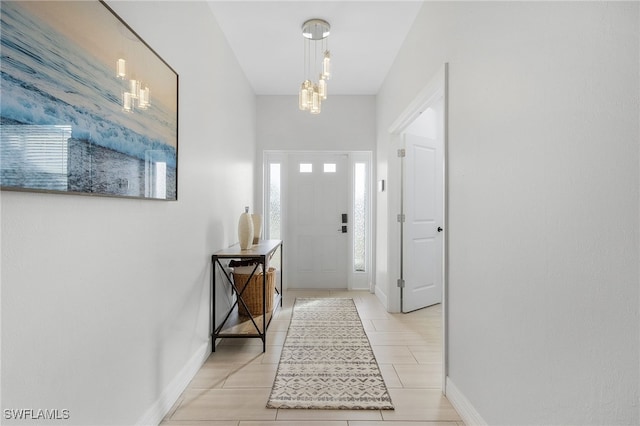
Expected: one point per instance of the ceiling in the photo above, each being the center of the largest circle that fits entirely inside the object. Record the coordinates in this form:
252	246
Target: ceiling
267	40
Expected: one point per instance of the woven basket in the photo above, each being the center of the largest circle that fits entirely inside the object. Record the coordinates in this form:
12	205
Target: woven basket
252	296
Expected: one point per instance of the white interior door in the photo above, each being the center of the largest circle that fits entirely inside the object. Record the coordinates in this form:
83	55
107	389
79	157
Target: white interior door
318	197
422	231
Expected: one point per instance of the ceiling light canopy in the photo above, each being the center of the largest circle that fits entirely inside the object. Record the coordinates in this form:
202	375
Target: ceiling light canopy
316	29
317	65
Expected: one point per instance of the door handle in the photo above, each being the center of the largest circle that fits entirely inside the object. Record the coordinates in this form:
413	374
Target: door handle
343	229
439	229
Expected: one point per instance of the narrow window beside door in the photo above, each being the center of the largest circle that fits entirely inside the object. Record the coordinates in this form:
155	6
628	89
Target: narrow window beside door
275	208
274	201
360	217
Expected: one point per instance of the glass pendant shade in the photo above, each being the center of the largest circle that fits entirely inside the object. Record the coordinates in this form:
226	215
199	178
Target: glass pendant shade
315	104
326	65
322	88
304	96
302	99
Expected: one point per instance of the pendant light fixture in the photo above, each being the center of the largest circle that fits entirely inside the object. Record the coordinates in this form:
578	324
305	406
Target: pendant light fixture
317	65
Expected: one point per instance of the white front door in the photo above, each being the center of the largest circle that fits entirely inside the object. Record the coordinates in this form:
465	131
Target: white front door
318	198
423	209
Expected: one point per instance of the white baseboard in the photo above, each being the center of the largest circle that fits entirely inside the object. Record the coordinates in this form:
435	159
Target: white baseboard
168	397
462	405
382	297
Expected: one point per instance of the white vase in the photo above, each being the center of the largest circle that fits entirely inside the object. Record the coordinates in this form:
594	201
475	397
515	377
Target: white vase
245	230
257	227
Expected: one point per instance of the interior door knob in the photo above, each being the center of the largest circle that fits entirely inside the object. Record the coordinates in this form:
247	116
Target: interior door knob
439	228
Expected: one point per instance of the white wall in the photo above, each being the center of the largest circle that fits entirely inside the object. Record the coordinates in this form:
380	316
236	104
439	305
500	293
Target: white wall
543	202
347	123
104	300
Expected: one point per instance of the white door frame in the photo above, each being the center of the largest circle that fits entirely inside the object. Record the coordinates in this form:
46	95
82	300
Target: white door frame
436	88
355	280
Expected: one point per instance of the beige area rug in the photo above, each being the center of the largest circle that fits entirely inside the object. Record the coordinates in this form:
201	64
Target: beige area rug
327	361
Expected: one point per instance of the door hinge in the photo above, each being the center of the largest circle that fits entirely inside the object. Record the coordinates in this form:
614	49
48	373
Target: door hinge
401	218
402	153
400	283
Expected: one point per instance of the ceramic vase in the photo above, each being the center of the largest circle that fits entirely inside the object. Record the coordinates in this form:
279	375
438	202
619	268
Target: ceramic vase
257	227
245	230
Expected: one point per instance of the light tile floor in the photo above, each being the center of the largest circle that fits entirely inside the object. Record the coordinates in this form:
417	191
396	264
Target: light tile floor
232	387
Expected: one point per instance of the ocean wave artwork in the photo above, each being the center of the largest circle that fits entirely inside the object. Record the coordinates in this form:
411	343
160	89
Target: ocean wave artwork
70	120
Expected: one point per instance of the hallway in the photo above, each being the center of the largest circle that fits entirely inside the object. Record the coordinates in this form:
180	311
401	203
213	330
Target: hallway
232	387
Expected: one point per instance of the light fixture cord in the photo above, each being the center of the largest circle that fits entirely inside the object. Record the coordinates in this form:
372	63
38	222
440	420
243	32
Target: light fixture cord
315	54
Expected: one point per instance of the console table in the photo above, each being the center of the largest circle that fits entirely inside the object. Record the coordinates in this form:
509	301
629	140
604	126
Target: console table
233	325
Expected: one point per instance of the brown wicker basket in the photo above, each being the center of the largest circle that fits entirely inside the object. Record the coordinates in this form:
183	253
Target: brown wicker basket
252	296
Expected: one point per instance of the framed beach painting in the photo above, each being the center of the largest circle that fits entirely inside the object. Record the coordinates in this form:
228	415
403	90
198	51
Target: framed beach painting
86	106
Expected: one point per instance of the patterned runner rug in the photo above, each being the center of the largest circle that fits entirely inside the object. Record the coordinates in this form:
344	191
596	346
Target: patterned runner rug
327	361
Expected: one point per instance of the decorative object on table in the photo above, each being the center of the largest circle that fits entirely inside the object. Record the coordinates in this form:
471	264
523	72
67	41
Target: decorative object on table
85	109
257	227
317	65
327	361
252	295
245	230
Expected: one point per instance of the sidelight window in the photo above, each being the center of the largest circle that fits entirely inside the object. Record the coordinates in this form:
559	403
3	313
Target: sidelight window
275	207
360	203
